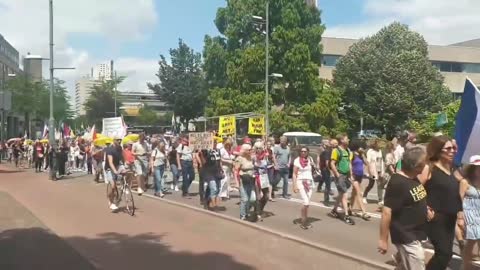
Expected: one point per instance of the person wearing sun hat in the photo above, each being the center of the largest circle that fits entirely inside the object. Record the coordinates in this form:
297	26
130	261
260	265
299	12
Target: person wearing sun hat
469	223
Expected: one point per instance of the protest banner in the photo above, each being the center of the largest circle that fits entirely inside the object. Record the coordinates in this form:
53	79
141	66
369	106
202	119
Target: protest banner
256	126
226	125
114	127
200	140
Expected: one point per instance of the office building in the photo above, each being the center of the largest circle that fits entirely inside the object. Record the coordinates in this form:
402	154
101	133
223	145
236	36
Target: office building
83	88
10	123
102	72
132	102
32	67
455	62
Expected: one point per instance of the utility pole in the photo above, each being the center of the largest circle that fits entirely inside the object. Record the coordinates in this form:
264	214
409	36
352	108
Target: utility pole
51	126
267	75
114	78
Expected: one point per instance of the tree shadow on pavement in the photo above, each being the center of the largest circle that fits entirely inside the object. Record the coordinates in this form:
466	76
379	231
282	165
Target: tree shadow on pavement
39	249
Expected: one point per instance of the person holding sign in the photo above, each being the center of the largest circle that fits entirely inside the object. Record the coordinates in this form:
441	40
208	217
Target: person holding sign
140	151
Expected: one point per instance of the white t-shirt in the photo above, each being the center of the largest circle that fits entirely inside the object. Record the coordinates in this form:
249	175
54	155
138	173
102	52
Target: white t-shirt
399	152
186	153
158	157
375	158
304	173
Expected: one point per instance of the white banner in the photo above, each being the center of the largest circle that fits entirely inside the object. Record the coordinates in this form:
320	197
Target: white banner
113	127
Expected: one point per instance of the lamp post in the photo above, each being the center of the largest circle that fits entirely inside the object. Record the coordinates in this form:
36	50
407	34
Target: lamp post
51	121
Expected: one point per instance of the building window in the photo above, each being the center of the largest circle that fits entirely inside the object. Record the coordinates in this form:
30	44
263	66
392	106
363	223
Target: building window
330	60
456	67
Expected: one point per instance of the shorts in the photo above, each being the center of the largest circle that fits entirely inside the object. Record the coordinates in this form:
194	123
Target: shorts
358	178
213	188
305	188
141	167
110	177
343	183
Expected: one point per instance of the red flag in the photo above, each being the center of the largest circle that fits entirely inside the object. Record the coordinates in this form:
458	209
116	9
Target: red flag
93	132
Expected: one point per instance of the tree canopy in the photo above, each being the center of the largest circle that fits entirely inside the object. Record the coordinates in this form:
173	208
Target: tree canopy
101	102
388	79
234	63
147	116
182	84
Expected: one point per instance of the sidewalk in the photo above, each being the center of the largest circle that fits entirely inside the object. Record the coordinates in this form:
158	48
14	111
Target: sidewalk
26	243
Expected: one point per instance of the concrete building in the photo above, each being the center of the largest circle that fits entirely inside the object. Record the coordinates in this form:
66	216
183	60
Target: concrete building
102	72
455	62
32	67
83	88
132	102
10	123
313	3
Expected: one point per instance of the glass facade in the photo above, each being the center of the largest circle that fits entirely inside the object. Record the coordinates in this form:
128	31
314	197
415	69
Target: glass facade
457	67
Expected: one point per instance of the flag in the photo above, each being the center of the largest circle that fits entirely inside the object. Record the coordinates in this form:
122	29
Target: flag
442	120
93	133
66	130
45	131
467	125
25	136
72	134
125	128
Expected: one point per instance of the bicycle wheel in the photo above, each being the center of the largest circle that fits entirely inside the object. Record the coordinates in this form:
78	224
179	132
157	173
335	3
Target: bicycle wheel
130	204
116	196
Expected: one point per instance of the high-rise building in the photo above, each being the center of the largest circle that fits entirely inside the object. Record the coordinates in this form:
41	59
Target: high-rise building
32	67
312	3
102	72
83	88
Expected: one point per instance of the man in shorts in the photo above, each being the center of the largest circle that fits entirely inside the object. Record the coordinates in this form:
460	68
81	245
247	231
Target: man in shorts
140	152
113	157
342	171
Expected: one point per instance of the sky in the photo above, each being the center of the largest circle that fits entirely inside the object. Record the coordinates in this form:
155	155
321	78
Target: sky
135	32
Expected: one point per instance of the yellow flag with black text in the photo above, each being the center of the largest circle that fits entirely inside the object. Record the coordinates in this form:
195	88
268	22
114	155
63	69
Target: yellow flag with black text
256	126
226	125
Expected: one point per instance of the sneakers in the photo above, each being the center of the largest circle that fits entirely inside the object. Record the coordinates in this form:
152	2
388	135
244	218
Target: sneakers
333	214
364	200
306	226
113	207
176	188
380	203
140	191
171	187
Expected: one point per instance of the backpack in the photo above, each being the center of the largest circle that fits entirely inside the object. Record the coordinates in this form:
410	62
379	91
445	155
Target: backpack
341	159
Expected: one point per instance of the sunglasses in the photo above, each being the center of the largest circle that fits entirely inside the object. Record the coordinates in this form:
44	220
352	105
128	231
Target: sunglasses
450	149
304	151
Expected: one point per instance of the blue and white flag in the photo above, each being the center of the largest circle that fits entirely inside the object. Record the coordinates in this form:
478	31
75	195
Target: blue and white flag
467	125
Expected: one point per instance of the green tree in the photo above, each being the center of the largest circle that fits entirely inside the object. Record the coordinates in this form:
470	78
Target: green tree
147	116
388	80
182	84
234	63
101	102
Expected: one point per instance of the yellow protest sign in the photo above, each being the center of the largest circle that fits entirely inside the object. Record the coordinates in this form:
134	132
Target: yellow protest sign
256	126
226	125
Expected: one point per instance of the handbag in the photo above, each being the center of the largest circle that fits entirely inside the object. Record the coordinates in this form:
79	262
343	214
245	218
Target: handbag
264	181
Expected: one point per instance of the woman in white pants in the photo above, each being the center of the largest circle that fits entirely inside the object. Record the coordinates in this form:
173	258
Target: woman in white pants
303	183
227	158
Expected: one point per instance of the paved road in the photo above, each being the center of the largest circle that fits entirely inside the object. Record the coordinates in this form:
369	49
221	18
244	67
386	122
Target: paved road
163	235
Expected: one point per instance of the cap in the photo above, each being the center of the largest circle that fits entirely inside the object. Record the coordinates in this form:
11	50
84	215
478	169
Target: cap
247	140
475	160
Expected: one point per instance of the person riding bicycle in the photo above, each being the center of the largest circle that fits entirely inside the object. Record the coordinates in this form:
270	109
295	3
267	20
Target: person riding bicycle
113	159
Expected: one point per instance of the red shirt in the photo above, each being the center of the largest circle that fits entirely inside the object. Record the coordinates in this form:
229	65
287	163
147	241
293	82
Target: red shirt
128	156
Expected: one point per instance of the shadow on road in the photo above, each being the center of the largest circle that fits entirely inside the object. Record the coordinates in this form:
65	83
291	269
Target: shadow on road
37	248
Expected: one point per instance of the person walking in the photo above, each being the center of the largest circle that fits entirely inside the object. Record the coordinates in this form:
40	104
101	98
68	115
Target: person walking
140	151
444	201
376	170
185	161
173	164
342	170
470	224
283	158
324	165
158	161
358	172
244	166
303	183
227	157
260	162
270	168
404	215
38	155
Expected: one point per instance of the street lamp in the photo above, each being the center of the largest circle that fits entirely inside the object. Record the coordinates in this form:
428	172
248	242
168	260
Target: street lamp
266	21
51	121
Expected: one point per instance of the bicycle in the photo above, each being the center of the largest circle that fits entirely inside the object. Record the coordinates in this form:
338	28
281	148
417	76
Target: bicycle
122	189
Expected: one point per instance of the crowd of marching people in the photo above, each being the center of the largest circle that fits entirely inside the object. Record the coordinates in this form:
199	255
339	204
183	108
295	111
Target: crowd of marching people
421	193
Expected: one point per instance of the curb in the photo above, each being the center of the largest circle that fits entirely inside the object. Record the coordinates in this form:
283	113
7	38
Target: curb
333	251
